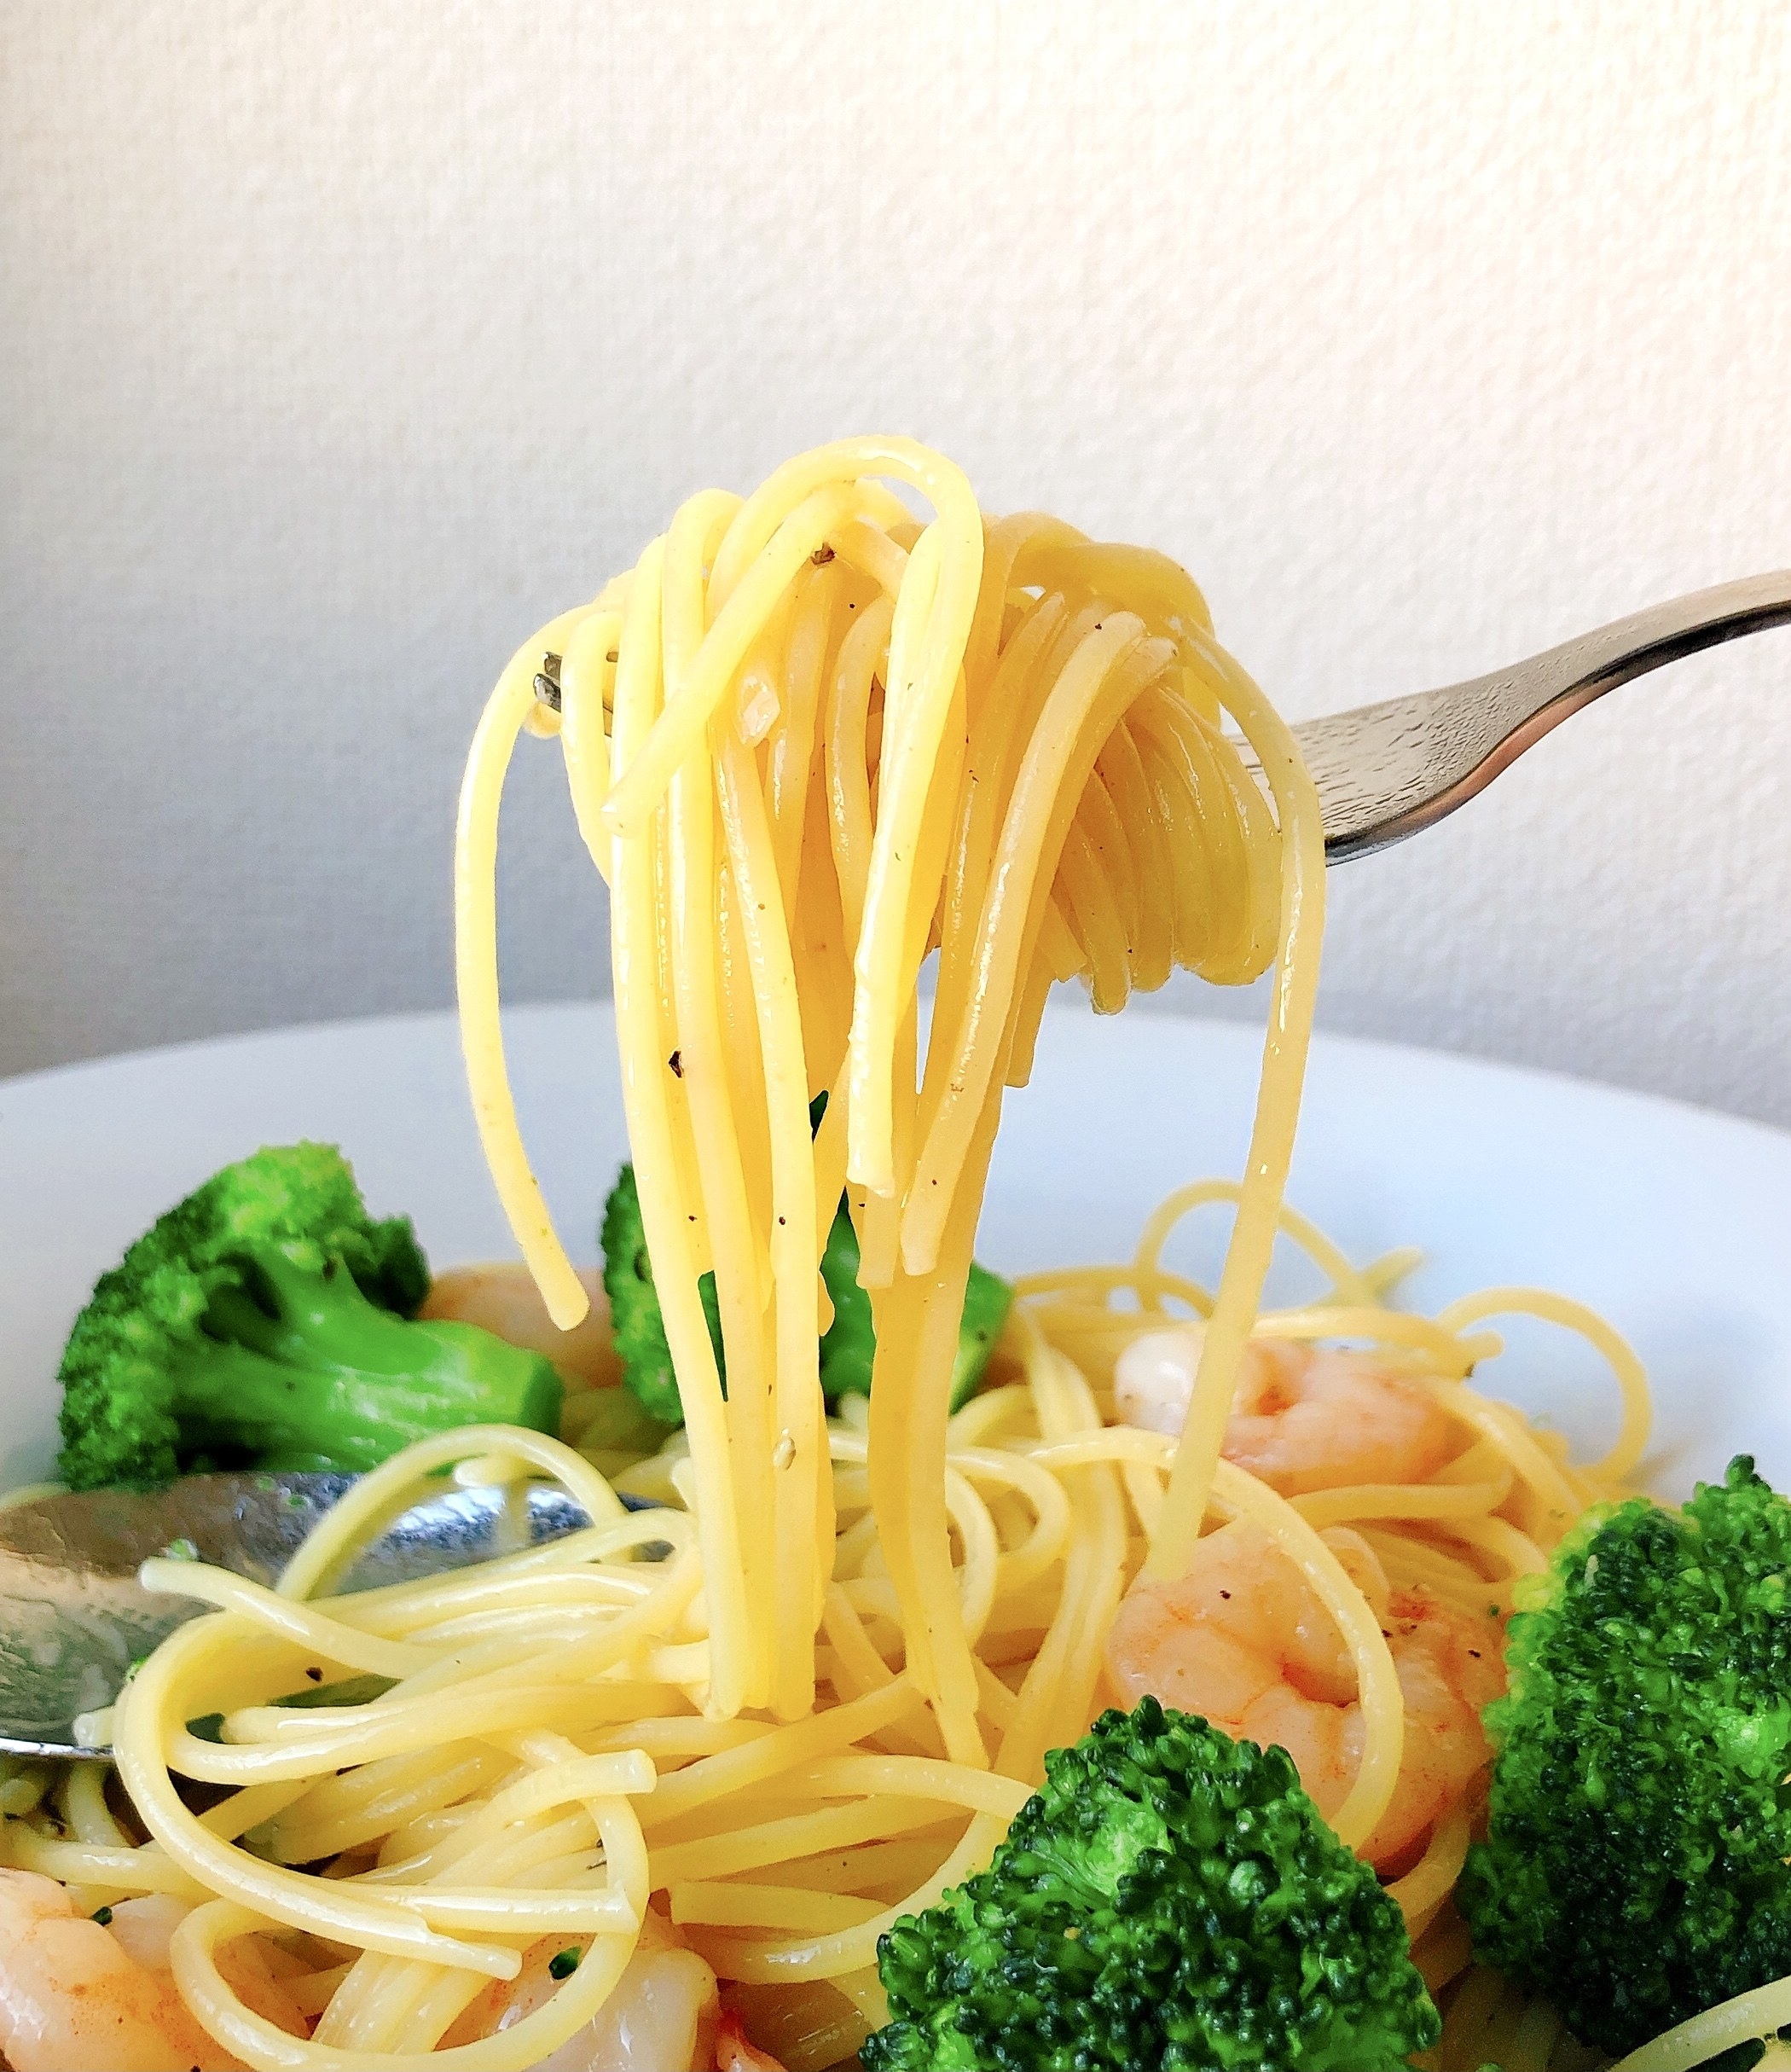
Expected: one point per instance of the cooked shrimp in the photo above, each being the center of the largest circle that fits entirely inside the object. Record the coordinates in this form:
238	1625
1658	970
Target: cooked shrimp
1305	1417
661	2017
1243	1640
502	1298
73	1998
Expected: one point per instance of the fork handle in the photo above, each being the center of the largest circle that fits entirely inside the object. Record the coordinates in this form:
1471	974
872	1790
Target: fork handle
1387	771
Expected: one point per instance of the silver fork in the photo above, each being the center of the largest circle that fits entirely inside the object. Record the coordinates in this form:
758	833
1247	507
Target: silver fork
1386	771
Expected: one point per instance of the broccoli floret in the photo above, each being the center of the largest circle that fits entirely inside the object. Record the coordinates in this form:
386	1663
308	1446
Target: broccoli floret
1172	1898
847	1348
1635	1868
264	1322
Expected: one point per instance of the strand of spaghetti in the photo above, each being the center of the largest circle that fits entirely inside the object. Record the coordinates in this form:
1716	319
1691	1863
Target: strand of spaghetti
792	1908
940	587
1120	769
668	1206
84	1809
1470	2015
475	955
857	461
879	1217
274	1744
859	1667
980	1569
677	733
1382	1700
1043	1492
801	1527
931	622
1170	592
1260	906
587	674
1149	1284
149	1712
1347	1284
262	2044
1442	1953
1409	1562
394	1607
762	1963
703	1070
309	1820
531	1852
1631	1440
381	1800
1060	1681
125	1869
1081	884
872	552
790	759
1452	1355
997	684
1272	1133
1432	1878
918	1776
1212	934
751	1847
363	1512
605	1588
1112	1443
1072	709
1325	1507
1517	1551
720	1776
1188	868
300	1624
910	1408
1745	2019
1507	1430
489	1670
570	1776
983	1418
1005	705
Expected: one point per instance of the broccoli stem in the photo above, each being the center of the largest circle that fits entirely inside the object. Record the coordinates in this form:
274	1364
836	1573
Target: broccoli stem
304	1372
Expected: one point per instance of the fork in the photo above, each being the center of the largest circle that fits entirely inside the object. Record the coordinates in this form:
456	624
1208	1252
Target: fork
1389	770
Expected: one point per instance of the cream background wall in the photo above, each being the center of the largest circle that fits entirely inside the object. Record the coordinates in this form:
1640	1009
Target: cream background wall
342	343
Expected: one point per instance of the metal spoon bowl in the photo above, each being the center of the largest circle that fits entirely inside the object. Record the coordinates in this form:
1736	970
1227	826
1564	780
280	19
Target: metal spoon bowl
73	1617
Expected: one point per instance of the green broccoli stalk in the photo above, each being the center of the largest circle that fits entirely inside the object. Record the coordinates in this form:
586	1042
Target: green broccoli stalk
264	1322
847	1347
637	1325
1171	1898
1634	1869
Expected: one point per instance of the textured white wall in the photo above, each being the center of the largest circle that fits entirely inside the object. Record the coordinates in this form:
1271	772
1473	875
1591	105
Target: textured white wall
344	344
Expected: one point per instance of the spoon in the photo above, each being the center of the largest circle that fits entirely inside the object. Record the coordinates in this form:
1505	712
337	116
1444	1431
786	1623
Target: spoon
73	1617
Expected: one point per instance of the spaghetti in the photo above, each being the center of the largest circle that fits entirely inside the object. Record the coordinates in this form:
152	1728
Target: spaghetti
812	743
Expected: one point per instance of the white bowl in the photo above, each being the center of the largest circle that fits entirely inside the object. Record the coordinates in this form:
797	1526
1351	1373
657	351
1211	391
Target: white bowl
1674	1222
